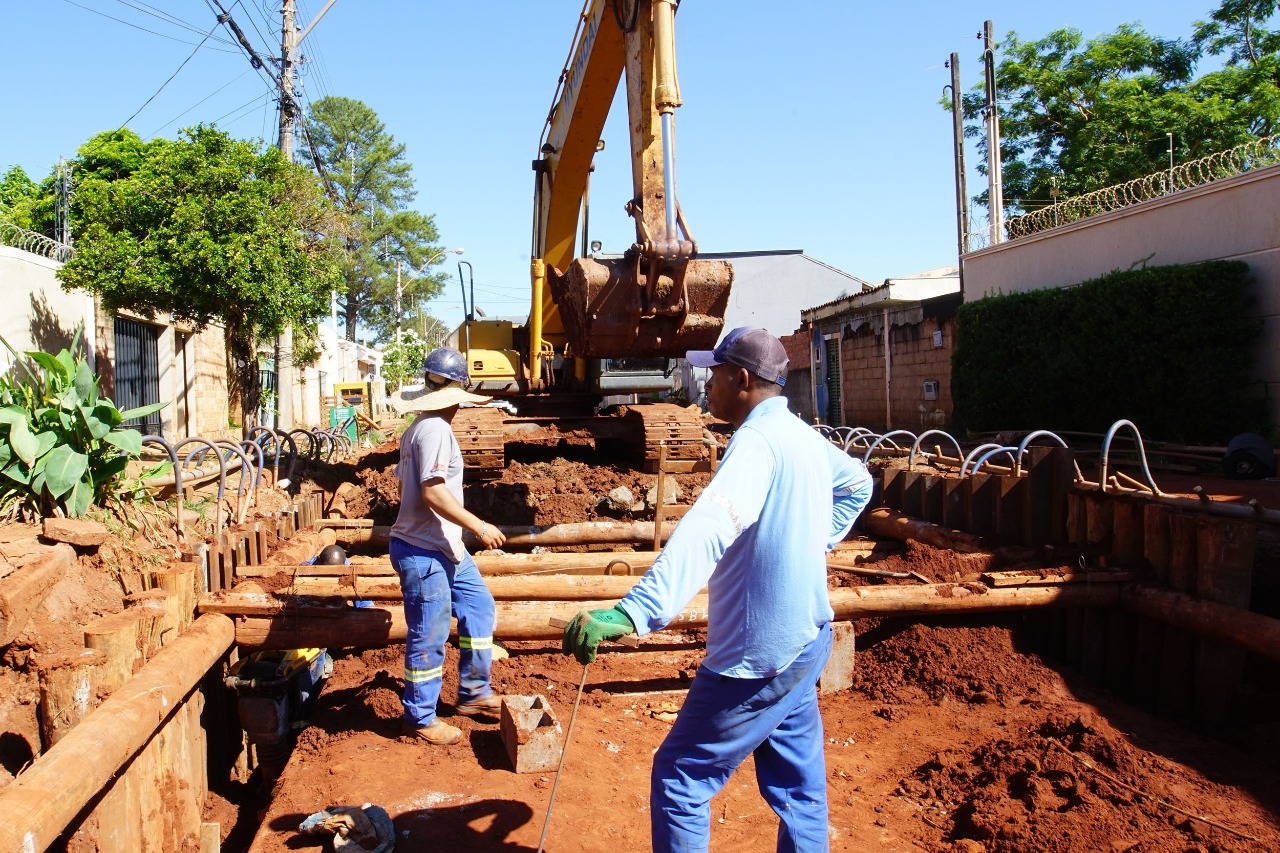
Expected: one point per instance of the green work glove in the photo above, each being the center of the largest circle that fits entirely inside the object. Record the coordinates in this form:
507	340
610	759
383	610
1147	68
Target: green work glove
587	630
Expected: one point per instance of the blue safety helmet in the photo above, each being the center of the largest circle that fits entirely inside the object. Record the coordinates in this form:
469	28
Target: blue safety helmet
445	365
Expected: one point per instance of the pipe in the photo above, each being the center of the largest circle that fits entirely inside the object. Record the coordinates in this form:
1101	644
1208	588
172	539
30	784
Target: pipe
177	481
222	471
888	373
1022	445
888	436
1142	454
1010	449
666	99
911	458
41	803
538	276
384	624
973	454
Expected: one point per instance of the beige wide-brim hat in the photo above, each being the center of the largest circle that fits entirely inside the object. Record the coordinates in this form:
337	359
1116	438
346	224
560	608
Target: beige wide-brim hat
434	401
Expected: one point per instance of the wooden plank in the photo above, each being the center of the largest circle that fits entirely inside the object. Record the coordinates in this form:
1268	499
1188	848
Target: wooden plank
345	523
1224	574
1038	509
912	500
891	488
1050	577
1126	533
980	511
1176	697
952	502
931	495
1010	507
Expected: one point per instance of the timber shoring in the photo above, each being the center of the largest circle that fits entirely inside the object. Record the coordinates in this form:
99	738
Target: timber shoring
44	800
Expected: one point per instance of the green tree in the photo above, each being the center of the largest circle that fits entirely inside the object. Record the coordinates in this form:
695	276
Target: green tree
402	362
372	182
207	228
17	193
1077	115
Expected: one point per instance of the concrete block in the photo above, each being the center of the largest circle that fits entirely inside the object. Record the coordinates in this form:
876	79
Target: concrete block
531	733
838	673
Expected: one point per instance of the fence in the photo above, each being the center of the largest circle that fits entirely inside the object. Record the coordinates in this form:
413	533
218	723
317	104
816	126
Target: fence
37	244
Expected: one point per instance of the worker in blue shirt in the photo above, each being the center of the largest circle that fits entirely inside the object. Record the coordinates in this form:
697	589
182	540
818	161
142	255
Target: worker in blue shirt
757	537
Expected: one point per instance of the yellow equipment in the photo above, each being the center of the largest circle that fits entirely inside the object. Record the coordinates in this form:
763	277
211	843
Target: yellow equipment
604	327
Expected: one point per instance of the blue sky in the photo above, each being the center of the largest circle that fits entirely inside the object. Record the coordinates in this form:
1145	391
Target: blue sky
809	125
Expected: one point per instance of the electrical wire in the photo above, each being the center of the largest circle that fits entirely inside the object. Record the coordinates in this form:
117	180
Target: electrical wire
199	102
171	76
136	27
145	9
252	103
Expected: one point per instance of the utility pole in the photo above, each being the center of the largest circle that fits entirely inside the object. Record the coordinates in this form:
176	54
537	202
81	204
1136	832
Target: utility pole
284	341
398	293
995	180
962	192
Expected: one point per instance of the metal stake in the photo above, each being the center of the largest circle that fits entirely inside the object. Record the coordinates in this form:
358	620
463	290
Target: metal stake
546	823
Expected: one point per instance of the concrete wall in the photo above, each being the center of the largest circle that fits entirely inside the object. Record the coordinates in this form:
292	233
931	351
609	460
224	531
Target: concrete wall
43	316
1236	218
39	314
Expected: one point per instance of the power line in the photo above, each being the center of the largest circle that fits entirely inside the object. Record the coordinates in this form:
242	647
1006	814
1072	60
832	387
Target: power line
198	103
171	76
252	103
139	6
136	27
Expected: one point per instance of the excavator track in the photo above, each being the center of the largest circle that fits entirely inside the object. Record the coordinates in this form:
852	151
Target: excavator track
680	430
479	433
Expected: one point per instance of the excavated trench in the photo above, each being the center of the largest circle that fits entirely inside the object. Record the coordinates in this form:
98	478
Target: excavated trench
973	716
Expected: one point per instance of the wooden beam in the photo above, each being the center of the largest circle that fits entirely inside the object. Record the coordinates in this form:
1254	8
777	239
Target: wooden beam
895	525
42	802
384	624
1048	577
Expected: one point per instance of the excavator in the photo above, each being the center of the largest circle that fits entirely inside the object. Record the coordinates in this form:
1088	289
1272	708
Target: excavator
603	327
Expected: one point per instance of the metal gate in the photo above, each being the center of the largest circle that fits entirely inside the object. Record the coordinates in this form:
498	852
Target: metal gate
831	361
138	371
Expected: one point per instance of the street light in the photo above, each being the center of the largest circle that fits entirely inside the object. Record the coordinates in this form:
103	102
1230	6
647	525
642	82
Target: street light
428	262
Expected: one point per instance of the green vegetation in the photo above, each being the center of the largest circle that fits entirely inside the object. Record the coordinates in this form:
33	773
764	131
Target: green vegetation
62	447
1077	115
372	183
1169	348
206	228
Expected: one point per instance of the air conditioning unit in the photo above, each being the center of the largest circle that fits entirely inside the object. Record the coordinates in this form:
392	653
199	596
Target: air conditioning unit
931	389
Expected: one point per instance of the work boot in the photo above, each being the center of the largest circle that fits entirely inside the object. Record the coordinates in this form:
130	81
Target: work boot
489	705
439	733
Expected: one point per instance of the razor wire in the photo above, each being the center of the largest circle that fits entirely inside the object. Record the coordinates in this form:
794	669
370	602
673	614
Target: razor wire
1193	173
36	244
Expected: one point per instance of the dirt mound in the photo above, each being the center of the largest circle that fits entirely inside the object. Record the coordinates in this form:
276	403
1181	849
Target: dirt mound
1071	783
901	662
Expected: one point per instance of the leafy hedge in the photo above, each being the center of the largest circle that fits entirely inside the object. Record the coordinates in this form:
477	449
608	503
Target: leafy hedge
1169	348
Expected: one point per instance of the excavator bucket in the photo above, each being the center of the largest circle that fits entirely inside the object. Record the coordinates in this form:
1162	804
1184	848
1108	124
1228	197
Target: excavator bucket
616	307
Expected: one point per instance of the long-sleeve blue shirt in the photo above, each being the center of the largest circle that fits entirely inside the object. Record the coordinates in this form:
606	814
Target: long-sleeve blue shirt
758	535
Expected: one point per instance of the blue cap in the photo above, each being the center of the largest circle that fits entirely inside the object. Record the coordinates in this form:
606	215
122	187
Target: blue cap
755	349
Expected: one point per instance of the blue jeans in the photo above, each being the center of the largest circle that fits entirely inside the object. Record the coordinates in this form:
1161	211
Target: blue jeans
724	720
432	586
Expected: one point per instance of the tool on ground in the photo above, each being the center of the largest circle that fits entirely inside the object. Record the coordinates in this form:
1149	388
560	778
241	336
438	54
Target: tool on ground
564	750
881	573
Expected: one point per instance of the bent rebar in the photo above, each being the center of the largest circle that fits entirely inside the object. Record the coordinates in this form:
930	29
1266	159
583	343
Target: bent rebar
1142	455
1007	448
177	480
911	459
222	470
888	436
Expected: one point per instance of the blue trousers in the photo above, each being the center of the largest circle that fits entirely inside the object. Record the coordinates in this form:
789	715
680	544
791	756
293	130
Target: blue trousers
724	720
433	586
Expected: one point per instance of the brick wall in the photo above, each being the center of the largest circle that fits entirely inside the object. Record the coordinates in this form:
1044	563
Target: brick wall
208	394
914	359
798	348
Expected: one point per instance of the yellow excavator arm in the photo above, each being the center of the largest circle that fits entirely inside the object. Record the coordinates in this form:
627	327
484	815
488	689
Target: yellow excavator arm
658	300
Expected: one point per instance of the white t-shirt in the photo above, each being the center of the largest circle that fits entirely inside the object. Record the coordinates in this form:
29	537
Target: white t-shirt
428	450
